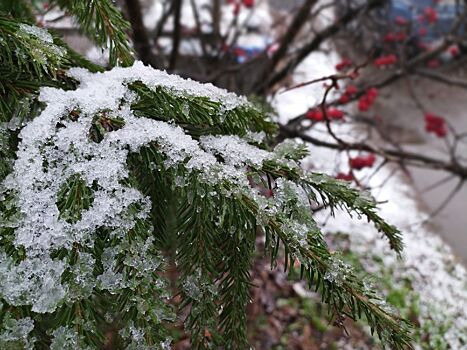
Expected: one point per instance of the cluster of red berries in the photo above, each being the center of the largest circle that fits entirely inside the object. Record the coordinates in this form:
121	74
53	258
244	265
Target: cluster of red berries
344	64
423	31
317	115
395	37
401	21
345	177
248	3
237	4
436	125
348	93
387	60
361	162
454	51
434	63
367	100
429	15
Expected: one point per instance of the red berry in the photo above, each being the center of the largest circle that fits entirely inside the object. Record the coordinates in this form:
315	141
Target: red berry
389	37
434	63
400	36
363	104
334	113
372	93
351	90
367	100
386	60
345	177
422	31
315	115
400	21
435	124
344	99
454	51
361	162
249	3
345	63
430	15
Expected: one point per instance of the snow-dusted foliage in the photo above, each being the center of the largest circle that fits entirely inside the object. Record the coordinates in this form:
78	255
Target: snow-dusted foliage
106	169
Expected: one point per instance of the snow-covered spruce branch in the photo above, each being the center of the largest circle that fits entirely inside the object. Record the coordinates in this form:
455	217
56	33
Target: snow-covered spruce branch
102	21
31	57
133	161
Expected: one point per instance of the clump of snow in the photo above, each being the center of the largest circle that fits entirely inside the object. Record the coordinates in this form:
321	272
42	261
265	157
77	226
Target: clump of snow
15	333
65	338
338	271
234	150
39	33
152	77
46	39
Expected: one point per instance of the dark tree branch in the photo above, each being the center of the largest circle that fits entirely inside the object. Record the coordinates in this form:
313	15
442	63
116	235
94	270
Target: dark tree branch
441	78
140	36
176	34
160	25
294	28
391	155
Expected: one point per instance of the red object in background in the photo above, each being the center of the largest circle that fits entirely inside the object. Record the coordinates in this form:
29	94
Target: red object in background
372	93
430	15
435	124
434	63
315	115
345	177
344	99
388	60
318	116
334	113
236	9
400	21
345	63
249	3
422	31
454	51
351	90
401	36
389	37
361	162
363	104
367	100
423	46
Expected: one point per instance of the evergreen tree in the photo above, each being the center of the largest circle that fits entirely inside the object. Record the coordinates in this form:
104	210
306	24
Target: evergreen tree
109	176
